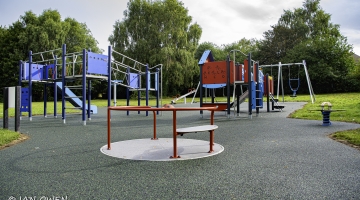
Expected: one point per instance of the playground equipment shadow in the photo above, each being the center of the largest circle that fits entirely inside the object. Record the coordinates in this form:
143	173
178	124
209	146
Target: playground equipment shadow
267	157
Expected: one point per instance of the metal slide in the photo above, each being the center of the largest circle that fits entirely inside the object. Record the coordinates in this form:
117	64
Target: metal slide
242	98
183	96
74	100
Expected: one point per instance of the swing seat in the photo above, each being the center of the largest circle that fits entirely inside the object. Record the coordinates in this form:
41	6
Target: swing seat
279	107
294	92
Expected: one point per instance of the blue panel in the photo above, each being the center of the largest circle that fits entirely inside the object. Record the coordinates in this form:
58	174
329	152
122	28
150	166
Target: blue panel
214	86
133	80
24	100
207	54
97	64
36	70
253	95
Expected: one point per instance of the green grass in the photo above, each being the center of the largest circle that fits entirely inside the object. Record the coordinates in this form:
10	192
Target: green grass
7	136
349	102
351	136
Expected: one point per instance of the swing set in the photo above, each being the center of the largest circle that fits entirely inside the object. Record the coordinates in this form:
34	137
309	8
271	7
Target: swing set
294	81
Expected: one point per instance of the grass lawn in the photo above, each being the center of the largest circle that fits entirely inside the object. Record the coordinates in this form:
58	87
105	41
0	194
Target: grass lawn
7	136
349	102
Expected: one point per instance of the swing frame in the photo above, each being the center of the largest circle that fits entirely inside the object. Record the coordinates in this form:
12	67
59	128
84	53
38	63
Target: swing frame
280	78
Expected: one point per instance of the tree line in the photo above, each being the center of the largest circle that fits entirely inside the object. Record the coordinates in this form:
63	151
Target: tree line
162	31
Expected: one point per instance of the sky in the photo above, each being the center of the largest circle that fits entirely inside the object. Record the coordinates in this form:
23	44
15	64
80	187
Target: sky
222	22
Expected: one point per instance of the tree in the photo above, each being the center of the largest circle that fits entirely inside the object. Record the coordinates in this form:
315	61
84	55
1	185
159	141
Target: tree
307	34
216	51
39	33
157	32
241	49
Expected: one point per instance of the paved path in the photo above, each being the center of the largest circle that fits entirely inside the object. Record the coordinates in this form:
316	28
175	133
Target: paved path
267	157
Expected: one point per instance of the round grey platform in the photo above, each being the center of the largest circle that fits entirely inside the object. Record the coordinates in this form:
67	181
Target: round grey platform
161	149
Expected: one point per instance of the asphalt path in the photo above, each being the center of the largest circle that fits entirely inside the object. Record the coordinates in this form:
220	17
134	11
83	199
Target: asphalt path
268	156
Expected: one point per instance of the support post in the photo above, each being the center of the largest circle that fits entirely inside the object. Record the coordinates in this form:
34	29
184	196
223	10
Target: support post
267	90
55	87
63	74
6	106
257	88
139	92
30	86
249	86
17	107
45	99
20	71
147	86
228	85
6	109
279	75
157	88
109	77
84	88
128	90
89	100
201	90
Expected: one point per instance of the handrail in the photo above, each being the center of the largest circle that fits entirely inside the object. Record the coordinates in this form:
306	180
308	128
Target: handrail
154	109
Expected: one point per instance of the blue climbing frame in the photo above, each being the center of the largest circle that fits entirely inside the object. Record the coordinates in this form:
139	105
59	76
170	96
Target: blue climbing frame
92	66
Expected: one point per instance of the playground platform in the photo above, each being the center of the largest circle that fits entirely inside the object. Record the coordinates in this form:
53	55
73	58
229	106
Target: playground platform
267	157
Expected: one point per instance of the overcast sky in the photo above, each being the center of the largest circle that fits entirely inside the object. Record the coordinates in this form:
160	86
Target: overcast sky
222	22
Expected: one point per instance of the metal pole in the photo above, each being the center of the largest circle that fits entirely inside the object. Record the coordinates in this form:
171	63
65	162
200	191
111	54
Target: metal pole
161	89
55	86
257	90
128	90
278	86
89	99
282	83
267	92
157	89
84	88
309	83
20	71
237	100
30	86
63	71
109	78
139	93
147	86
249	86
45	98
228	85
17	108
22	67
6	108
201	90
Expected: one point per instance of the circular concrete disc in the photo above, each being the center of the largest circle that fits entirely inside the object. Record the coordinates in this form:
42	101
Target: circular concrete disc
160	149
